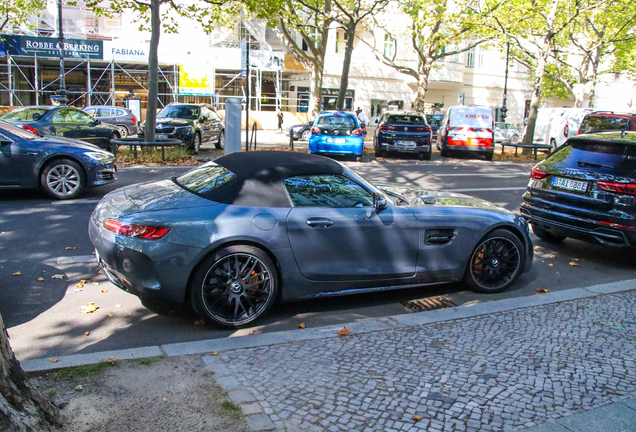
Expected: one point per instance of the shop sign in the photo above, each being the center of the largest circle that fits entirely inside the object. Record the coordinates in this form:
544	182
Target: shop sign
334	92
119	51
31	46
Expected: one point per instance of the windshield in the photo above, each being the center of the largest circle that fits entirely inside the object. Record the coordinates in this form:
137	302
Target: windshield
25	114
613	155
337	121
16	131
603	123
182	112
405	119
205	178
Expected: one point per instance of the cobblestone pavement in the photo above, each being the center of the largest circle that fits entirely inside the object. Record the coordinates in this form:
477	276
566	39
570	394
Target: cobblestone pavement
504	371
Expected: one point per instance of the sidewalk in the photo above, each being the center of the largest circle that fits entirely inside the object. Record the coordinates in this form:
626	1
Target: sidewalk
561	361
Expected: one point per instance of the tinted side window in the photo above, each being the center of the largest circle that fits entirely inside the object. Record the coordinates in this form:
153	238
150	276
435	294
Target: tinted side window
597	124
335	191
62	116
205	178
121	112
78	116
103	112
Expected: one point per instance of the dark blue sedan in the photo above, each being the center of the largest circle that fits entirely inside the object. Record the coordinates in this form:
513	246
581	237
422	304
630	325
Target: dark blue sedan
62	167
63	121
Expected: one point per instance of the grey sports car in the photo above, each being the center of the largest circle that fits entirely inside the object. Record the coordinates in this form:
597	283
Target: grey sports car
234	236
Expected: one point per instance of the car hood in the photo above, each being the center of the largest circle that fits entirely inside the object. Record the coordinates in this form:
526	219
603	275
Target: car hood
163	195
174	122
422	197
66	142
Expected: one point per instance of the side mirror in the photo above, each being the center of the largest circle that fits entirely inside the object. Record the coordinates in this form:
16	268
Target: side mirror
379	202
5	141
97	122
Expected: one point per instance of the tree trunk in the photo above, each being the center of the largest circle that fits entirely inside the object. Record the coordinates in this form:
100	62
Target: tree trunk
422	85
346	64
153	76
21	407
316	90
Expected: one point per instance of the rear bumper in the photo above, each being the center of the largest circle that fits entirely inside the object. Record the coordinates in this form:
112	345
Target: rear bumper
350	146
579	227
405	149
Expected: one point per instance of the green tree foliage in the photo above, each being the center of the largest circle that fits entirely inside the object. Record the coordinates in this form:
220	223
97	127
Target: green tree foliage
15	12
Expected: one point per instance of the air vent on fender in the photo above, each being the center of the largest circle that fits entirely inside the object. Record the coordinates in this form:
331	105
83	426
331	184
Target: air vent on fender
435	237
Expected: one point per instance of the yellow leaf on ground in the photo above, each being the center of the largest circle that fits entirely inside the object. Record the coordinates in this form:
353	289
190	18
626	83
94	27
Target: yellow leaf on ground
552	256
344	332
89	308
542	290
53	360
57	276
215	353
79	285
110	315
79	388
70	248
87	333
199	322
40	279
104	290
95	283
82	281
17	274
251	332
417	417
302	325
574	264
551	265
100	272
111	360
93	253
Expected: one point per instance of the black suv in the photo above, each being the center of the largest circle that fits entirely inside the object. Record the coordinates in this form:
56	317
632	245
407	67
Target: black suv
193	124
406	132
586	190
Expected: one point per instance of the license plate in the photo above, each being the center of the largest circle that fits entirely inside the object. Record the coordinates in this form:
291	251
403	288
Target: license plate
405	143
336	140
574	185
161	136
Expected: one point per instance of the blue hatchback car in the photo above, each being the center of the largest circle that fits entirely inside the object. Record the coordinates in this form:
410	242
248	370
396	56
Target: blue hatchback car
336	132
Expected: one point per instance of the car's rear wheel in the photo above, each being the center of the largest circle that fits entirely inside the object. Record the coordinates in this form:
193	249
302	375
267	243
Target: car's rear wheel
514	139
306	134
234	286
546	235
63	179
489	155
220	144
123	131
495	263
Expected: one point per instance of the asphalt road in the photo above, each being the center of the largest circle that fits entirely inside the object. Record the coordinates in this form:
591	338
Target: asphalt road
44	239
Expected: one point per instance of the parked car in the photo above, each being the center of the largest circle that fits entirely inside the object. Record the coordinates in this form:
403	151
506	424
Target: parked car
434	121
62	167
555	125
606	122
336	132
586	190
234	235
467	128
193	124
300	131
403	132
63	121
506	133
123	118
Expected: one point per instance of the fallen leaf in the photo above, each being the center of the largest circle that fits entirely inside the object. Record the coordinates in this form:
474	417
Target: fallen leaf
93	253
215	353
100	272
79	285
87	333
344	332
542	290
152	170
57	276
551	265
111	360
577	259
251	332
82	281
89	308
199	322
574	264
110	315
70	248
40	279
104	290
538	247
79	388
95	283
17	274
302	325
552	256
417	417
53	360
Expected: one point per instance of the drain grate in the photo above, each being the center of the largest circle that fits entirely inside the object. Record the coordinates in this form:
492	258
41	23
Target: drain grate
428	303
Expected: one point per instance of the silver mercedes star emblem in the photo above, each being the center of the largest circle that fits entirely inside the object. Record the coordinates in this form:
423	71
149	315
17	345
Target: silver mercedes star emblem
405	129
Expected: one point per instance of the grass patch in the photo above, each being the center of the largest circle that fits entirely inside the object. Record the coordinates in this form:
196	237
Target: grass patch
52	392
150	155
232	409
84	371
148	360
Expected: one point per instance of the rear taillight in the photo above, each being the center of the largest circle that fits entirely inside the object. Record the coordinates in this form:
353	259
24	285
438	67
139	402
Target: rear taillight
536	174
356	132
315	130
422	129
141	231
566	129
621	188
30	129
133	119
386	127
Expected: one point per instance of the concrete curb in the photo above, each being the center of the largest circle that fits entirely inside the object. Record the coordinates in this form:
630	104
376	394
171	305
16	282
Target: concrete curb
366	326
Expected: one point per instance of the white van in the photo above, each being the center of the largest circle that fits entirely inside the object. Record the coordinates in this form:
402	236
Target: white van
467	128
555	125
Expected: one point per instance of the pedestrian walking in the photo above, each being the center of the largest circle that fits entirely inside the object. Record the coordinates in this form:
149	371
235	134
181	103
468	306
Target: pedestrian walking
280	120
362	118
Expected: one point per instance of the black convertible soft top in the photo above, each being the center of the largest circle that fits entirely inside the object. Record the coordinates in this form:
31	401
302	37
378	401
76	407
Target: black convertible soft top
260	175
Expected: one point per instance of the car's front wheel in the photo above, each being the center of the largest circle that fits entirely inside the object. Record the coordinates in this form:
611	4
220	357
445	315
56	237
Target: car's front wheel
495	263
220	144
63	179
196	143
234	286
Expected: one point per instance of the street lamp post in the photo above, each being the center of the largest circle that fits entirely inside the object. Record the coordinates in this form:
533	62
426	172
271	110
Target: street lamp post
504	108
61	93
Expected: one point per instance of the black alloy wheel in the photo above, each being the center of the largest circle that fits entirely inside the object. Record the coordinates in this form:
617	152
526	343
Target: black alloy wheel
495	263
235	286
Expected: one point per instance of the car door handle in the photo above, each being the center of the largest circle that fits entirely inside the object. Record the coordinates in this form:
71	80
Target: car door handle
319	222
32	153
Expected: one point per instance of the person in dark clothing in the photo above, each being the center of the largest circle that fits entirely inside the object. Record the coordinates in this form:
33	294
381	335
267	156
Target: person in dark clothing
280	121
